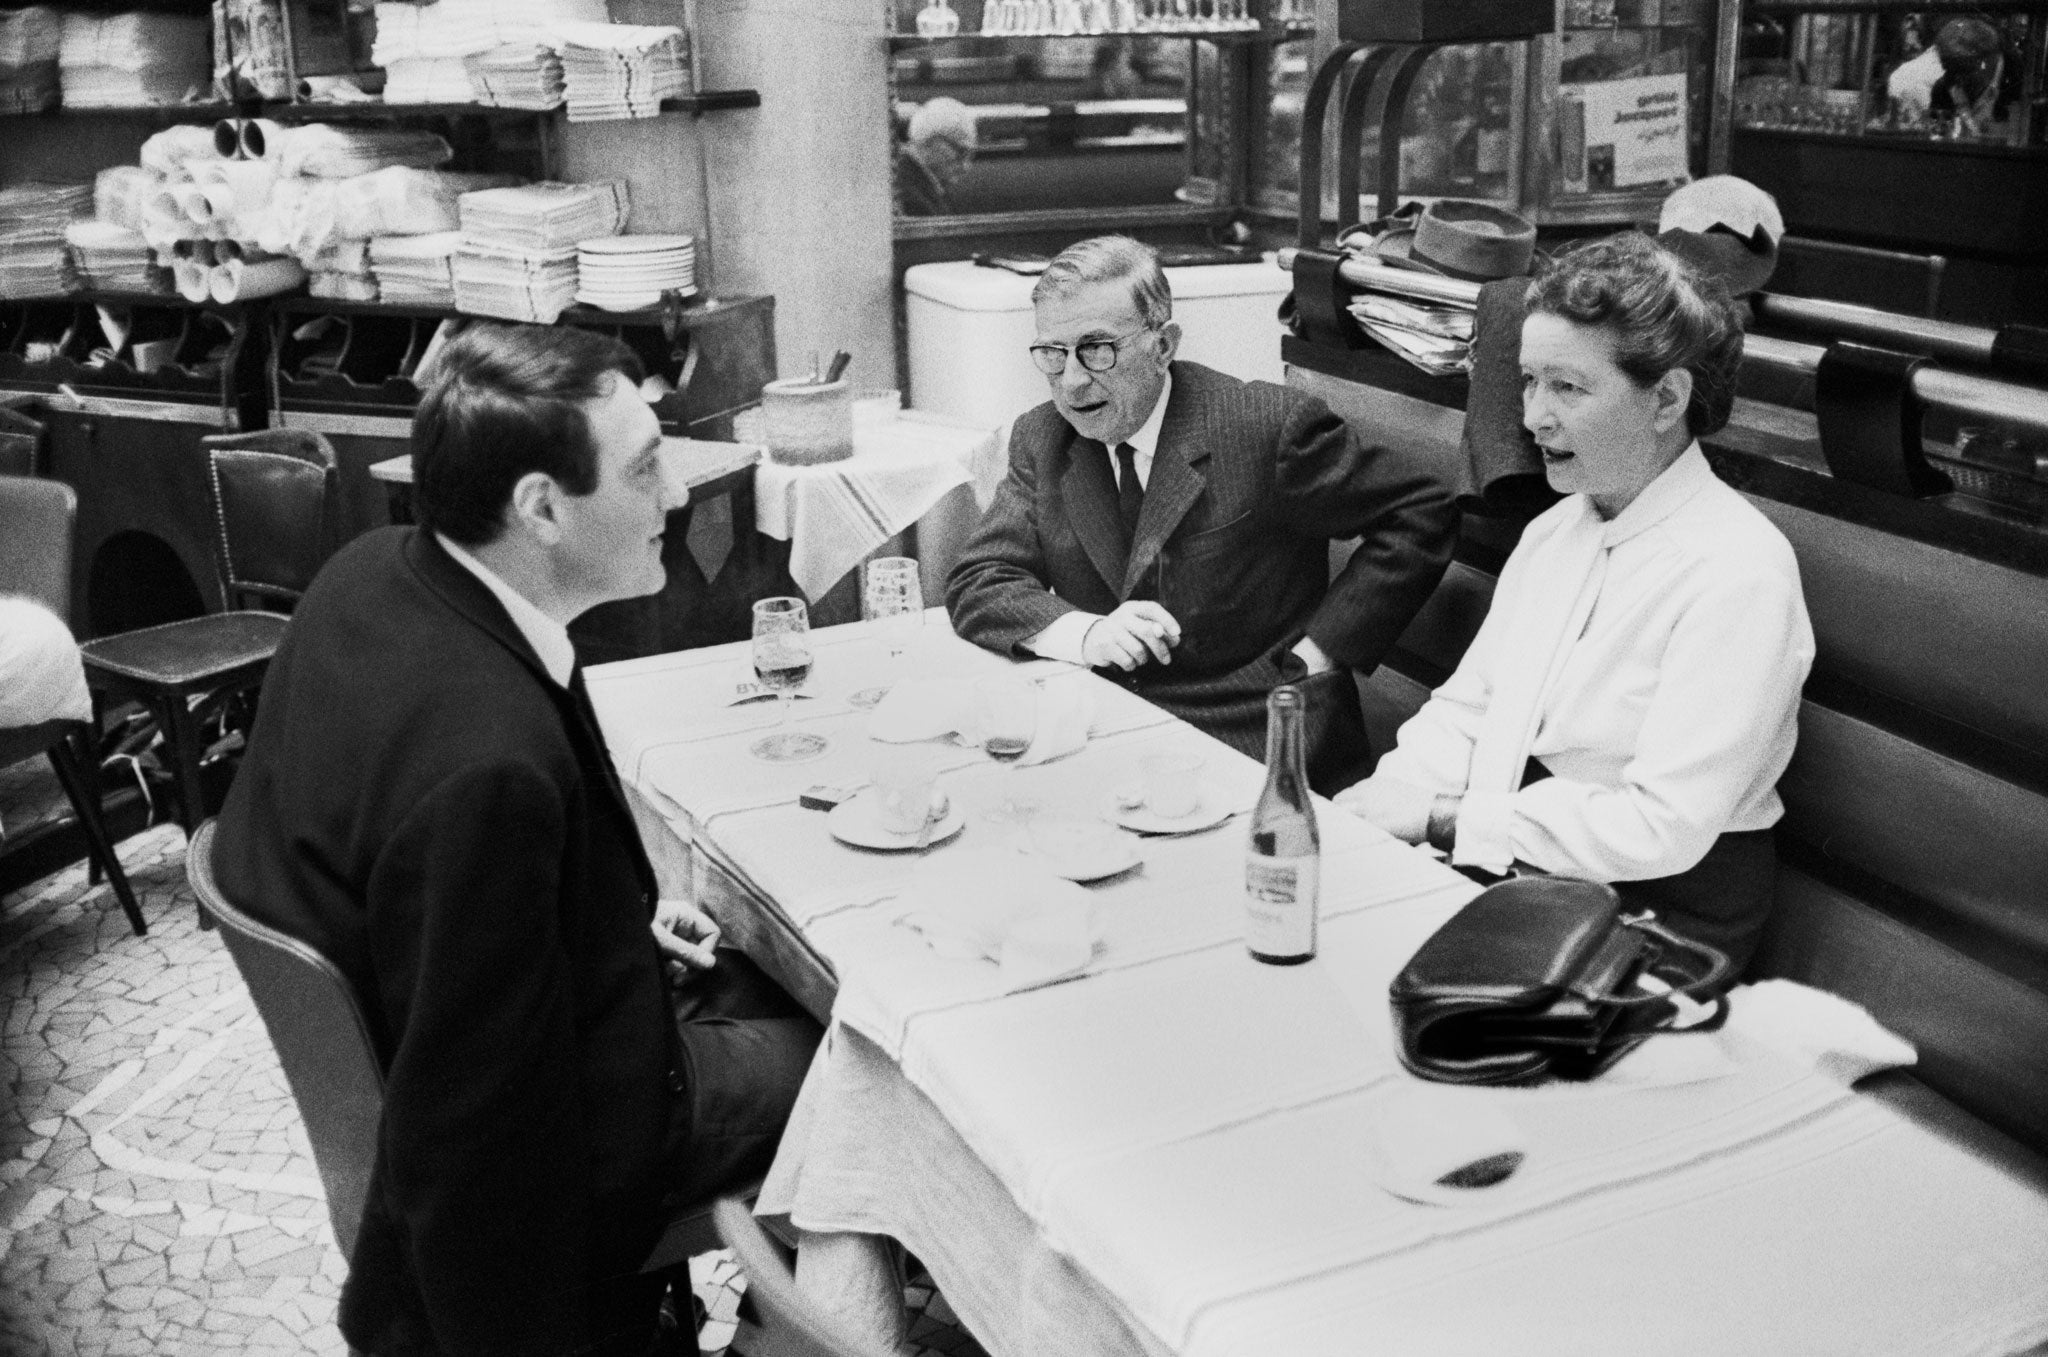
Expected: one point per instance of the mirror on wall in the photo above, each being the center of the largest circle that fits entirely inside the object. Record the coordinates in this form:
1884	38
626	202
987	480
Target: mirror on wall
994	124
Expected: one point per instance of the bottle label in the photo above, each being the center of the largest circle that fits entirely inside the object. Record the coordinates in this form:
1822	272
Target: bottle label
1280	905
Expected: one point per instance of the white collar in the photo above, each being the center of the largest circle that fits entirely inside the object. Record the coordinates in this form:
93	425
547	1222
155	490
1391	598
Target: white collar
1662	497
1146	440
549	638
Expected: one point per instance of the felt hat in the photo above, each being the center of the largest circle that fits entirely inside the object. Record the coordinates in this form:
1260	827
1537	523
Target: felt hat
1459	239
1726	227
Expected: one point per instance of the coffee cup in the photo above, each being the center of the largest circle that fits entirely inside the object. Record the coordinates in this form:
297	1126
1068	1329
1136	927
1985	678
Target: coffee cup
1172	781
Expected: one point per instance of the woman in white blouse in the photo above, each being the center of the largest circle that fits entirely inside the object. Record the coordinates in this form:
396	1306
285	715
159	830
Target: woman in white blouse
1627	707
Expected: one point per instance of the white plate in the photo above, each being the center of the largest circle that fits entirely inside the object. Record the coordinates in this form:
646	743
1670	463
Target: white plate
1119	857
636	244
1211	810
853	821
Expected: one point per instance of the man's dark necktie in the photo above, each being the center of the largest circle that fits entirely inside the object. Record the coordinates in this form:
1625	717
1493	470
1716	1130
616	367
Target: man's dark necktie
1130	495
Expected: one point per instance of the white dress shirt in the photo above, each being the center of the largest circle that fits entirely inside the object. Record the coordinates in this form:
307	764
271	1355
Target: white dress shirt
1062	640
1668	719
549	638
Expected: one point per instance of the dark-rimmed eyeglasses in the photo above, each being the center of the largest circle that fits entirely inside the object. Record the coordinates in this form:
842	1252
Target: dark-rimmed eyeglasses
1096	355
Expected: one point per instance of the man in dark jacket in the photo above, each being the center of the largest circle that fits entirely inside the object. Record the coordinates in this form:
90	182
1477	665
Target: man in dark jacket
1170	525
427	800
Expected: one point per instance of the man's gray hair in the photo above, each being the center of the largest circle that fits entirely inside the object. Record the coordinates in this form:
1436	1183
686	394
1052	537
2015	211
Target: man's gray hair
1103	259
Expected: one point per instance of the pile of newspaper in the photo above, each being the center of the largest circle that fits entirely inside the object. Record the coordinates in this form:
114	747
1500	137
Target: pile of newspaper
114	258
516	77
1432	333
416	270
621	70
518	255
34	261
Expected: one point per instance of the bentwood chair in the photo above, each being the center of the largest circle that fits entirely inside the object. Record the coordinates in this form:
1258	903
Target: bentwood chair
793	1324
274	513
316	1022
35	562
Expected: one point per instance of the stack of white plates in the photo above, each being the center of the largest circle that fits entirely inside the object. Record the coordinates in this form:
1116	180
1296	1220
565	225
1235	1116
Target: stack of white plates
621	70
625	273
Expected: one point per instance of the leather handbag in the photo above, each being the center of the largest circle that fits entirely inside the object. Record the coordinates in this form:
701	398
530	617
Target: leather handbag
1540	978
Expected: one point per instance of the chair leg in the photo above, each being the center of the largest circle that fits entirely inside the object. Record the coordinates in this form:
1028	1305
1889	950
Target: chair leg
182	734
85	800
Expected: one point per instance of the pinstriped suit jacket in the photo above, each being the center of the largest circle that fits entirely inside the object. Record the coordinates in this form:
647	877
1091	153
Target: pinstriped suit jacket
1249	485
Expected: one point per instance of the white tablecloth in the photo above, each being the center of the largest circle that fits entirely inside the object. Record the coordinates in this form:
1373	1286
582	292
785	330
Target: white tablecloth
833	515
1170	1153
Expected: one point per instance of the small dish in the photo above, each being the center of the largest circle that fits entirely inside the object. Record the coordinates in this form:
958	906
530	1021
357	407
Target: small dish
1082	850
1211	810
855	821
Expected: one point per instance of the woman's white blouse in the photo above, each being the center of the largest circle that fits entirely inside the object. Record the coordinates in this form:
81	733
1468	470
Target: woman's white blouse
1673	713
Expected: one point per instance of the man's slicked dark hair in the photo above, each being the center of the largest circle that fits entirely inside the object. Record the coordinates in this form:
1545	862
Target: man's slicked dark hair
503	401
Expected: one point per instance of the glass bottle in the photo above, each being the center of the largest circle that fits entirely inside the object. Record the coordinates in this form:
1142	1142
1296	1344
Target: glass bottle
1283	857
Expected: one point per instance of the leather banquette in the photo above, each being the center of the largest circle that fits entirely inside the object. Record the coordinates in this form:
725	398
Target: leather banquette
1914	849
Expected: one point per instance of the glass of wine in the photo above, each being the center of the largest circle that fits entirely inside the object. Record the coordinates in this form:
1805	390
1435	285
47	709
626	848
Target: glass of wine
782	661
892	598
1006	710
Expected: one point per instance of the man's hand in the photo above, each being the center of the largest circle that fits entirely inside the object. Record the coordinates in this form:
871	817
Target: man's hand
1137	631
687	937
1400	808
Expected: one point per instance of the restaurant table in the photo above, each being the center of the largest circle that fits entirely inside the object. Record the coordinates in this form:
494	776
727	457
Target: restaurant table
1173	1152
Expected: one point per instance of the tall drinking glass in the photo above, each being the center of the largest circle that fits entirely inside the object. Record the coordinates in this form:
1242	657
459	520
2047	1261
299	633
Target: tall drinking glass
892	598
782	661
1006	710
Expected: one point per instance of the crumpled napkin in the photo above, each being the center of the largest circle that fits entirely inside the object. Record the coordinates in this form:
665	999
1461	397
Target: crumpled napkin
990	904
927	708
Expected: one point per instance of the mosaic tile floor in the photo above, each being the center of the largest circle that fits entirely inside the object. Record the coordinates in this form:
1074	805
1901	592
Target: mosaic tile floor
157	1194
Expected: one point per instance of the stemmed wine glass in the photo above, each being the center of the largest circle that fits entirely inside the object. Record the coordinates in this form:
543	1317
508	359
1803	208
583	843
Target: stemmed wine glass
893	600
1006	710
782	661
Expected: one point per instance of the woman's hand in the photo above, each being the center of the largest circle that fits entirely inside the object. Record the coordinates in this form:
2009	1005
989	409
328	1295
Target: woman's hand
687	937
1400	808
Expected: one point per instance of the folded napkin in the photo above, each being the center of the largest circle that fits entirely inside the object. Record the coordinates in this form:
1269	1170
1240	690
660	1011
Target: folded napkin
985	903
928	708
1836	1038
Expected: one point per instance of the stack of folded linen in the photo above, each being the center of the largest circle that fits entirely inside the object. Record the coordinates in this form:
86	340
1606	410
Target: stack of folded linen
29	42
523	76
621	70
134	60
518	255
121	192
423	49
416	270
114	258
33	259
327	151
340	271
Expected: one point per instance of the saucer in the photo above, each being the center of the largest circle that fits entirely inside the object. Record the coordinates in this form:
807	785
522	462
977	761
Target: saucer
854	821
1117	853
1212	809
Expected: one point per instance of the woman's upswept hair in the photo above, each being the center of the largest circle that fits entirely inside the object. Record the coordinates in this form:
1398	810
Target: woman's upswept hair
1664	315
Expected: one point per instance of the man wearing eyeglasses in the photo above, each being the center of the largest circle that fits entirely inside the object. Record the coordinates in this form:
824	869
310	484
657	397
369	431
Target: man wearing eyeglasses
1169	525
